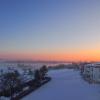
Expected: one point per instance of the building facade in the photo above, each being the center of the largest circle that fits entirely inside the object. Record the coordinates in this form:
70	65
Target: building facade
92	72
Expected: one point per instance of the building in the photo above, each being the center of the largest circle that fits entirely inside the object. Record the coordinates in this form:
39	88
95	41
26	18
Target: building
92	72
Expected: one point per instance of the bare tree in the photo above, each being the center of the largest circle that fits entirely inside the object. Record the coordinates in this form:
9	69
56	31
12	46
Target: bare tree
43	71
11	83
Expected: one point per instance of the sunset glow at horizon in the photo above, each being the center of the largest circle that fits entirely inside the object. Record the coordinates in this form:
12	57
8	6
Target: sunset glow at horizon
50	30
81	56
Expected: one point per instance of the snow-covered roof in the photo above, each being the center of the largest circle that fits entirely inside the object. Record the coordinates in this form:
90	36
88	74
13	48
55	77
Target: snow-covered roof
96	65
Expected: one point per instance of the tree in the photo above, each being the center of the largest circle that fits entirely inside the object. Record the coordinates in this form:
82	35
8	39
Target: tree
37	74
40	74
43	71
31	73
11	82
37	77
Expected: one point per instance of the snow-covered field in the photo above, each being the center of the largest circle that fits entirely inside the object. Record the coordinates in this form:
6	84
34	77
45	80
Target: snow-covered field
66	85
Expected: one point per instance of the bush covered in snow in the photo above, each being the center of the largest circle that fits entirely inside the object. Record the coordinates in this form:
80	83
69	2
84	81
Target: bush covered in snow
14	80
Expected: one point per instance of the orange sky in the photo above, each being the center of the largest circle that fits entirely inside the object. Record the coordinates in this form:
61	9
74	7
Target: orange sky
88	55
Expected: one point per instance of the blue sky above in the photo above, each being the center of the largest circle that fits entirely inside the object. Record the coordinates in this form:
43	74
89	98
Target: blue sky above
49	26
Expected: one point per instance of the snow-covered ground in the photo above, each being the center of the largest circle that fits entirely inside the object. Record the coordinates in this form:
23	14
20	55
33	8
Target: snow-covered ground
66	85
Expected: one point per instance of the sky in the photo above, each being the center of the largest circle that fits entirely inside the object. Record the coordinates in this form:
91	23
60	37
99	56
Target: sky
62	30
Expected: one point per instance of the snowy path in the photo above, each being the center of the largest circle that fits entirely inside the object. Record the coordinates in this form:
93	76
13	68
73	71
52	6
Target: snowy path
66	85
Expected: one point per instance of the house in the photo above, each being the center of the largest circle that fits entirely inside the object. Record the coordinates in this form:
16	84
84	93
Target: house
92	72
96	73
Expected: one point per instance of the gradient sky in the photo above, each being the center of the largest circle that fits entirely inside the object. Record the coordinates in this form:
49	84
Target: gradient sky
50	29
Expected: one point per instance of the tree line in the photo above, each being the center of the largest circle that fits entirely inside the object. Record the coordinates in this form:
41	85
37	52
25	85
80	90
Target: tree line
12	82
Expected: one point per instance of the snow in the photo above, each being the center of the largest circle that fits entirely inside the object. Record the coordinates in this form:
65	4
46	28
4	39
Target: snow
66	85
4	98
24	75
